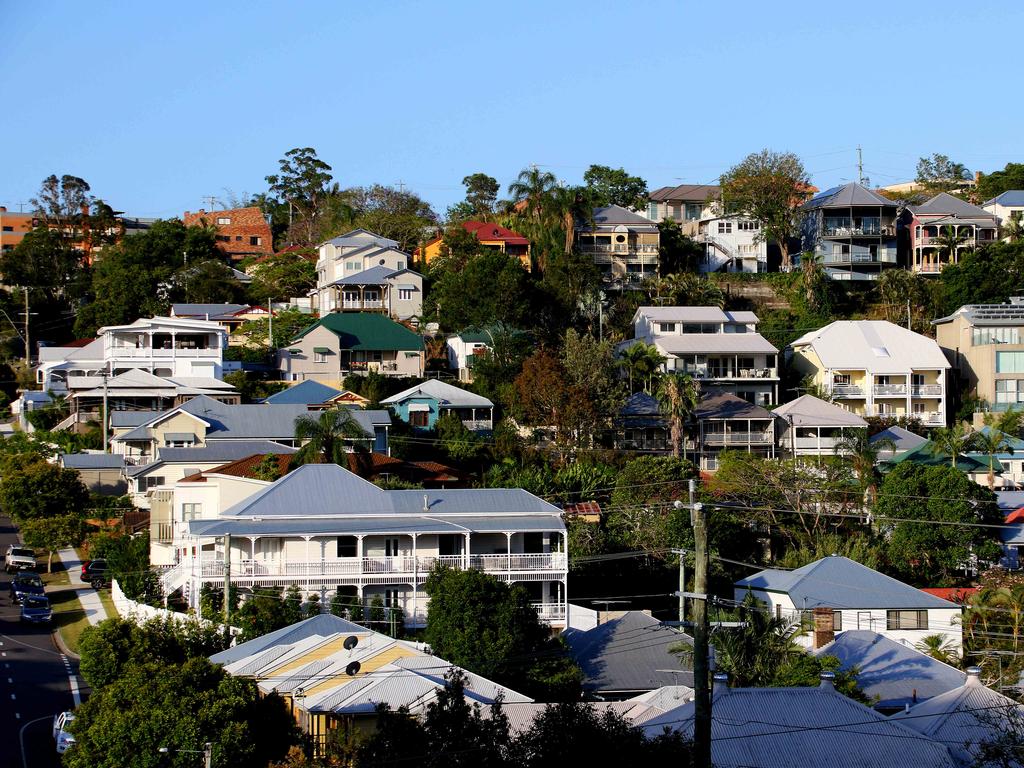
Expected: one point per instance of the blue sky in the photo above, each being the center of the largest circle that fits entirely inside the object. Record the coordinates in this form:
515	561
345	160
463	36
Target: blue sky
159	104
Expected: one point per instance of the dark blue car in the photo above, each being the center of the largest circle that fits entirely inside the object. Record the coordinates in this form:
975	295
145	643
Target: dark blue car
24	584
36	609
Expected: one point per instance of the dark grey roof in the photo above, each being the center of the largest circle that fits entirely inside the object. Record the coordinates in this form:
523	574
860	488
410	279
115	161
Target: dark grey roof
1011	198
315	490
728	406
346	522
838	582
890	671
989	314
810	411
206	311
845	196
946	204
92	460
131	418
377	275
625	655
613	215
641	404
691	193
905	439
308	392
323	624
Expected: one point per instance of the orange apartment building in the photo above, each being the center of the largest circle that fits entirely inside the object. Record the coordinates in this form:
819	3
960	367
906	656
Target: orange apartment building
13	227
241	232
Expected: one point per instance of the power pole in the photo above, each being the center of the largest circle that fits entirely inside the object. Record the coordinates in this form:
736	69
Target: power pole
208	755
860	166
270	317
701	632
106	421
227	582
28	338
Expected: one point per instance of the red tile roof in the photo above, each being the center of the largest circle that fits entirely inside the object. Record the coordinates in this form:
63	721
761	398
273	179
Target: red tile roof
1017	516
487	231
959	595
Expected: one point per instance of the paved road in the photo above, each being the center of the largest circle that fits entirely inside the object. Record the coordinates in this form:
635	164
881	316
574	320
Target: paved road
34	681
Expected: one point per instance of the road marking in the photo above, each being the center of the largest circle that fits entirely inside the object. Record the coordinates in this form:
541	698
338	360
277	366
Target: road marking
74	689
13	697
10	679
21	737
17	715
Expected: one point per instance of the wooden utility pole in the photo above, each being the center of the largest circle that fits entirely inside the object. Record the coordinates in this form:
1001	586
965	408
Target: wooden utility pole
28	338
227	581
701	632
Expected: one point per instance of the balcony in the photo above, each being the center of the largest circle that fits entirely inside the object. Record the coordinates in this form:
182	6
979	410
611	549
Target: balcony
827	444
738	438
929	269
631	249
847	390
889	390
360	306
886	257
926	390
862	227
163	353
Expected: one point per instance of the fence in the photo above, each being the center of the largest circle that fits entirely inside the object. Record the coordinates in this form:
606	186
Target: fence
139	612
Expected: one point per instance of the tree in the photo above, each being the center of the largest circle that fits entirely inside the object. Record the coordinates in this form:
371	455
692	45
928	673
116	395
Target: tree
282	275
179	707
481	193
677	253
642	361
392	213
532	188
997	437
288	323
950	239
898	286
327	434
491	287
986	276
613	186
940	648
589	366
1013	227
769	188
41	490
209	281
678	398
684	289
954	442
302	183
458	442
862	454
489	627
52	534
541	389
919	507
263	612
45	262
62	203
127	557
940	174
994	184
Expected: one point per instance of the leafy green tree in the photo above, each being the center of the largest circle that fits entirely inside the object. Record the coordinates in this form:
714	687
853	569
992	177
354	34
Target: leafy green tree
52	534
678	397
42	490
939	647
481	193
282	275
954	442
642	362
994	184
327	434
458	442
613	186
392	213
1013	227
532	188
1000	430
856	447
210	281
495	371
940	174
45	261
263	612
949	241
110	648
302	184
684	289
288	323
128	559
589	365
180	707
491	287
541	389
986	276
677	252
489	627
768	187
920	507
292	613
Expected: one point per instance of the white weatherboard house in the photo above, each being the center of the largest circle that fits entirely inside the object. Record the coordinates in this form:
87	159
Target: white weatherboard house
875	368
859	597
723	350
809	426
323	528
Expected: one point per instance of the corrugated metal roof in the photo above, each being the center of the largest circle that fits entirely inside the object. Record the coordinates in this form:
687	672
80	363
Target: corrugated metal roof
444	393
367	331
709	343
945	204
724	405
847	195
903	438
344	524
695	315
1011	198
810	411
207	311
308	392
891	672
694	193
874	345
611	216
322	624
839	582
798	727
624	655
92	460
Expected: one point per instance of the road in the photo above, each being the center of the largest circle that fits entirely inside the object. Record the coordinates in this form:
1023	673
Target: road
34	681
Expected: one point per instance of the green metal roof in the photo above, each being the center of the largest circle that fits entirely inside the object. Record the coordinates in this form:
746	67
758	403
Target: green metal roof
322	350
366	331
930	455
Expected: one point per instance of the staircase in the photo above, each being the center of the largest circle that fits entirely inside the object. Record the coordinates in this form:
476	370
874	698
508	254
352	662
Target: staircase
175	578
717	255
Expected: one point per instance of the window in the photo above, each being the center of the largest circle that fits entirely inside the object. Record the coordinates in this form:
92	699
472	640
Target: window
995	336
837	621
223	238
692	211
747	226
917	379
8	229
348	546
750	397
223	220
191	511
153	481
391	548
725	227
238	238
1009	362
391	598
700	328
319	357
400	265
1010	391
906	619
652	211
419	418
351	266
666	327
255	241
405	294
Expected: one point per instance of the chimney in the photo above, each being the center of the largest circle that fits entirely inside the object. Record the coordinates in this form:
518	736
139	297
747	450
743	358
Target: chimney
973	676
721	683
828	680
823	628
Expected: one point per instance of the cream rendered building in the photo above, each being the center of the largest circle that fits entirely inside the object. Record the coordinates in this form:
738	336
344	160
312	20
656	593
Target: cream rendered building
875	368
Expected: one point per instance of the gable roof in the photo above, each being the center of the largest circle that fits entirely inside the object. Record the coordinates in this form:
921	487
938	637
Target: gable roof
796	727
216	452
323	624
904	438
930	454
691	193
376	275
945	204
367	331
362	237
208	311
445	394
1011	313
624	655
693	314
308	392
845	196
810	411
614	215
1011	198
485	231
724	405
875	345
892	672
839	582
92	460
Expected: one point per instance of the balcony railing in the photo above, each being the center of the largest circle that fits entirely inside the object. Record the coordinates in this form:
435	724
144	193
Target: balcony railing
737	438
931	269
160	352
889	389
811	443
926	390
161	533
475	425
368	304
885	257
375	566
847	390
550	611
618	248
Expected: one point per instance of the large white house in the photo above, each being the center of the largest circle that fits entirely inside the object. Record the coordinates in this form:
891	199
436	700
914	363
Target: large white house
169	347
323	528
723	350
875	368
859	598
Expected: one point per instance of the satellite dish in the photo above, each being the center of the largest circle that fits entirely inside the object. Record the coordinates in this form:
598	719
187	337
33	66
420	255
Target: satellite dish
351	642
352	669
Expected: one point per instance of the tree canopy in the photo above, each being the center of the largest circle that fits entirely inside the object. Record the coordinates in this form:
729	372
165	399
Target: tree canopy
302	183
614	186
994	184
937	173
39	489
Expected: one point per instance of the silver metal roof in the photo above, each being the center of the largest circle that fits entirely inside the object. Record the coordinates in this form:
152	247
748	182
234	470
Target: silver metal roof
444	393
810	411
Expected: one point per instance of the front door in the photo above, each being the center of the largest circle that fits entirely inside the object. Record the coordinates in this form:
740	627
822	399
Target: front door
391	548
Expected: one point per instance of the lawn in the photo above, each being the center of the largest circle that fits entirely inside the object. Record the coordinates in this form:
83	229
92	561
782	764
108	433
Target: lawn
68	617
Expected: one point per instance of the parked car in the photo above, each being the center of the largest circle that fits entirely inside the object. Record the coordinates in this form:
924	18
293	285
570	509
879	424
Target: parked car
19	558
25	584
95	572
60	731
36	609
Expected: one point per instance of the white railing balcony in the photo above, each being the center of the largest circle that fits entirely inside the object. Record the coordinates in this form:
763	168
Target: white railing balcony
811	443
738	438
475	425
884	257
368	304
889	389
926	390
550	611
739	373
931	269
847	390
930	418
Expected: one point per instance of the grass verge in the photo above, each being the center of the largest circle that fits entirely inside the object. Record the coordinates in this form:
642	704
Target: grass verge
68	617
108	603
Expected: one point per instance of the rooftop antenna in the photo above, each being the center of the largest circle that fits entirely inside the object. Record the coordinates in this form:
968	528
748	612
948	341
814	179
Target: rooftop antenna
860	166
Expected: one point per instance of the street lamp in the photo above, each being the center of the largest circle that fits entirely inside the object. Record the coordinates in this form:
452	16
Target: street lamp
206	752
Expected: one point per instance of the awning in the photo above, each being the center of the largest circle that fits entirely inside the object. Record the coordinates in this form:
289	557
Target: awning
419	407
408	287
322	350
295	351
180	437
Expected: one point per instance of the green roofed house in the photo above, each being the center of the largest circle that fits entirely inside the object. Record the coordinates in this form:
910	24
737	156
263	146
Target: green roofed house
929	454
343	343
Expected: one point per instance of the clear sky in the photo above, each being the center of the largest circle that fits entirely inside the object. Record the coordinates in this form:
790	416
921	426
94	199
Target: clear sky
158	104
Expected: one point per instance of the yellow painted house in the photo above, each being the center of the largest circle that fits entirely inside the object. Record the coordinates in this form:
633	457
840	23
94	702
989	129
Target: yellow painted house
489	235
333	673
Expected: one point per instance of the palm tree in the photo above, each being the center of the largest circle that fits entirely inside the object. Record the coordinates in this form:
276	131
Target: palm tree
996	438
940	648
1013	229
325	435
678	397
950	239
862	454
532	186
954	441
642	359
